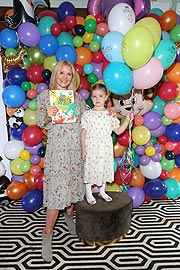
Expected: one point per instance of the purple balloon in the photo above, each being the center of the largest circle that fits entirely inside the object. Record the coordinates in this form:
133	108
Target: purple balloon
33	149
106	6
41	87
158	147
156	157
144	160
141	8
140	150
159	131
137	195
26	104
97	69
152	120
15	178
84	94
29	34
35	159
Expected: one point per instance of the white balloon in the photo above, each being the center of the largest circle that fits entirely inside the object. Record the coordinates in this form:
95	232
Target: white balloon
152	170
13	148
121	18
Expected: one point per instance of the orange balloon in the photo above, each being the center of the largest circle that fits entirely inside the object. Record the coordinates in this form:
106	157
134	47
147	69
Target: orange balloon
29	180
41	163
168	20
80	20
138	179
84	56
16	190
175	173
163	151
173	73
10	111
119	150
177	120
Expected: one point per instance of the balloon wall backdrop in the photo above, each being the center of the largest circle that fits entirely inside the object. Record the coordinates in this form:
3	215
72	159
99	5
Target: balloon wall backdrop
135	51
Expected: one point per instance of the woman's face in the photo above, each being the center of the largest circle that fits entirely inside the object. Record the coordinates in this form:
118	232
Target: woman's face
64	77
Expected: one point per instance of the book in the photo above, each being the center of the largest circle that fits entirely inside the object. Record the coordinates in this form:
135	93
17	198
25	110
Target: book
64	101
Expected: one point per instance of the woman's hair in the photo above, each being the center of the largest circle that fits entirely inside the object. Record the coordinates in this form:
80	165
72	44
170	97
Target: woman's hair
56	70
98	86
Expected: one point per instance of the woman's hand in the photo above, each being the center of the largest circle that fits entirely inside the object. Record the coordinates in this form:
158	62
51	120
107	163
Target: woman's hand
51	111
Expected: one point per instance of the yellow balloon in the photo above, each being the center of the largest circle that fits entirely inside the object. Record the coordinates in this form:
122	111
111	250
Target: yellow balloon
141	135
153	26
25	155
78	80
113	187
150	151
15	166
90	17
29	117
137	47
50	62
88	37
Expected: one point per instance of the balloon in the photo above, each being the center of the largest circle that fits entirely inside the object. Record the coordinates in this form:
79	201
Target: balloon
175	33
153	26
33	149
158	131
152	170
118	150
32	200
138	178
17	133
48	45
168	90
16	190
113	187
173	188
65	38
49	63
4	182
155	188
151	73
64	10
172	110
121	18
175	173
13	96
34	73
9	38
16	76
44	25
118	78
141	135
141	8
137	195
84	93
122	176
24	154
84	56
102	29
137	47
173	132
66	52
28	34
166	52
32	135
70	22
13	148
158	105
177	160
34	159
39	179
144	160
173	73
111	46
168	20
152	120
25	166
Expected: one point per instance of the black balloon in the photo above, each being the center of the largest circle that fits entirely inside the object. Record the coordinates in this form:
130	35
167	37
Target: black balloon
4	182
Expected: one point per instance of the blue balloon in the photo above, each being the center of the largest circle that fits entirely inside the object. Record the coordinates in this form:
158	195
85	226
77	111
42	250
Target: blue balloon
118	78
17	75
48	45
155	188
66	52
17	133
8	38
65	9
173	132
32	200
177	160
13	96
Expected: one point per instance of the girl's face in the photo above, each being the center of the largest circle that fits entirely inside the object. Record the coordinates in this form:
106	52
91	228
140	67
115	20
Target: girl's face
98	98
64	77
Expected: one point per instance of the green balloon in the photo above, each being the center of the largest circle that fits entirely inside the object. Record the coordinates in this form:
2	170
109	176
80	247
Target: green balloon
90	25
10	51
25	166
92	78
25	85
114	137
89	103
167	165
32	105
77	41
175	33
35	56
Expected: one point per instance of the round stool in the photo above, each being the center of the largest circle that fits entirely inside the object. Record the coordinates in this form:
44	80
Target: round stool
104	222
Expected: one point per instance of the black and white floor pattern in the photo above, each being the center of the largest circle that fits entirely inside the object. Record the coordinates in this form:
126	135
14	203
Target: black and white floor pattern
153	242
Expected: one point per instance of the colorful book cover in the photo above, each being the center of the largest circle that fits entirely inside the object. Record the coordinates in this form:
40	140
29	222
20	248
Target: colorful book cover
64	101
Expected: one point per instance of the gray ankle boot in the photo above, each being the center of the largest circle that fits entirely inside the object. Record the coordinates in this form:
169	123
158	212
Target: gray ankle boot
47	247
70	223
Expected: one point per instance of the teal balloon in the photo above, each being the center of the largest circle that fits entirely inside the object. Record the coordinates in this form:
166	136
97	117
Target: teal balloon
157	11
65	38
45	24
115	165
118	78
173	188
159	105
166	52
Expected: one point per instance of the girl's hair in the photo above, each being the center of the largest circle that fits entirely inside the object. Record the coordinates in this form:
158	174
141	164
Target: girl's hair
98	86
56	70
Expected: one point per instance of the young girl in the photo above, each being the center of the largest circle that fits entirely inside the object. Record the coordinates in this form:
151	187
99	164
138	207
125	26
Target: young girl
97	144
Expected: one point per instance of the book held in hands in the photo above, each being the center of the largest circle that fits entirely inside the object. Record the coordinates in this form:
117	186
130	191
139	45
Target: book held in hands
64	101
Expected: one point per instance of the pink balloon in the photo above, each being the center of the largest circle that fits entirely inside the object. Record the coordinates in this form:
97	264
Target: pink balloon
172	110
148	75
93	7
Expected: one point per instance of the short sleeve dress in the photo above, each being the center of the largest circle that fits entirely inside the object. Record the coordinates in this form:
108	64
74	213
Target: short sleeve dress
63	166
99	164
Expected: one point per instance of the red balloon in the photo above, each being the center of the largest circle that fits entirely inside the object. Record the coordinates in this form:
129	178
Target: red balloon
97	57
162	139
39	179
70	22
84	84
122	176
99	18
34	73
168	90
123	138
50	13
164	175
63	27
177	148
55	29
79	69
32	135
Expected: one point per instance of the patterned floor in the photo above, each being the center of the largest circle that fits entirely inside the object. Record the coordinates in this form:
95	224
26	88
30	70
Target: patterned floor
152	242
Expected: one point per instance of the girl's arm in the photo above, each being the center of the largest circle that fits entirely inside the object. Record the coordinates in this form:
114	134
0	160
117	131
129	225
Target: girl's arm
83	136
125	124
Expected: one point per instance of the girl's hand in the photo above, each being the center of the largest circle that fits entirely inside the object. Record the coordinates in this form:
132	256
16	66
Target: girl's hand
112	111
129	117
51	111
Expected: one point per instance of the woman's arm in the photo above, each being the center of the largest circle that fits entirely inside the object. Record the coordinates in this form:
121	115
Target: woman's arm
83	136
